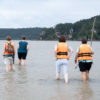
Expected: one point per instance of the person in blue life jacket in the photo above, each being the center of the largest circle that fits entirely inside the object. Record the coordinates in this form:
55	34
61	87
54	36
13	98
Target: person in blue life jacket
22	51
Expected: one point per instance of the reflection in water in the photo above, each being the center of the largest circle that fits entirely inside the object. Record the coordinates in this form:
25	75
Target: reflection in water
61	93
35	80
21	75
9	86
84	92
15	85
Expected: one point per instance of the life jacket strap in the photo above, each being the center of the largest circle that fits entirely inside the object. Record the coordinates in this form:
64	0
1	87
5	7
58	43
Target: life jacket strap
85	54
62	53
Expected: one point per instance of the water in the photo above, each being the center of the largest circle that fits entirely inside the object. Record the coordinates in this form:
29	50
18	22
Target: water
36	80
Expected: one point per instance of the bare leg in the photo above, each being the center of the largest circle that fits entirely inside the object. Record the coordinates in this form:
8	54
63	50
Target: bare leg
7	68
19	62
66	78
11	66
84	76
23	62
57	76
87	75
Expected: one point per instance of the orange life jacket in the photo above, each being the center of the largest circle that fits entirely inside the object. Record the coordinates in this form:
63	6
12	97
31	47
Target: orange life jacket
62	51
6	47
85	52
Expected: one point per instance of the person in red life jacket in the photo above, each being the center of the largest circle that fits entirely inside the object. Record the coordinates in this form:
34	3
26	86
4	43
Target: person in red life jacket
62	53
8	53
84	57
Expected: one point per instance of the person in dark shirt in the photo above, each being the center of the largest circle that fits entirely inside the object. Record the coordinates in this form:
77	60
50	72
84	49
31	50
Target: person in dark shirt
22	51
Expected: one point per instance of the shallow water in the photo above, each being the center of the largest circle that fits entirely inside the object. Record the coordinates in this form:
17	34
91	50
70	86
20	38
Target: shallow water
36	80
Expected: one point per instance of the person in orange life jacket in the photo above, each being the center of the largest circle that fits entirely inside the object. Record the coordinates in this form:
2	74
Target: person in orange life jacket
8	53
84	57
62	53
22	51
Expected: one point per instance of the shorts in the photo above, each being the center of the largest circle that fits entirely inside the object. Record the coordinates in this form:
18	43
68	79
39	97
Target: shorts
22	55
62	63
85	66
8	60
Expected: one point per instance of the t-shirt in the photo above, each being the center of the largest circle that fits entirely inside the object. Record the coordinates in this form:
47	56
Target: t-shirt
22	47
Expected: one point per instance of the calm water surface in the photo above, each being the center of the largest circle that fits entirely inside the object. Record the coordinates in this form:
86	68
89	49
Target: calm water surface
36	80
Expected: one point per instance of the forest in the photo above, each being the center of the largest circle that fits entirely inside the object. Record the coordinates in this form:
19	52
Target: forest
72	31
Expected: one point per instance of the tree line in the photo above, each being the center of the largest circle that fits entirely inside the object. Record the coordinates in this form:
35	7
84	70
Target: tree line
72	31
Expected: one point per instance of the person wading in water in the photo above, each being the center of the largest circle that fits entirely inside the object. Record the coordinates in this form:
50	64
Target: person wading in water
84	58
62	53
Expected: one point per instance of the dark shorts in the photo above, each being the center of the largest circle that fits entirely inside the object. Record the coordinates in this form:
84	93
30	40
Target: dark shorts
22	55
85	66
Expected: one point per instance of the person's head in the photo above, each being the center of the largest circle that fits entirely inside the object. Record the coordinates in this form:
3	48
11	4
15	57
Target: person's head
8	38
84	41
62	38
23	38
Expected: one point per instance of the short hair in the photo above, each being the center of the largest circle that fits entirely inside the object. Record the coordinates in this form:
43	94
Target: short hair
8	38
23	38
62	38
84	41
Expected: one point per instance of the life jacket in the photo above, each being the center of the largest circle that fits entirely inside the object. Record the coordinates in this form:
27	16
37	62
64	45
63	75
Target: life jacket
62	51
9	49
85	52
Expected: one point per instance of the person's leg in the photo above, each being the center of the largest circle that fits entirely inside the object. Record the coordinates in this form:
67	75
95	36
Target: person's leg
57	76
88	67
19	61
22	62
58	68
84	76
66	77
23	58
7	67
65	69
87	74
11	66
82	66
19	58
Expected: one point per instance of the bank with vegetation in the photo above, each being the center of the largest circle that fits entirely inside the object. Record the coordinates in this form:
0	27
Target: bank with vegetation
72	31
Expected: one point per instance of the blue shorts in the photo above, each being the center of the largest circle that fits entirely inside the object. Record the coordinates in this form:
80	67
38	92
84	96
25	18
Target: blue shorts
62	63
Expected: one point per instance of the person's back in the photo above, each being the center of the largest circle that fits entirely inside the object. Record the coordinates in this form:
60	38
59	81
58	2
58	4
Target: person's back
22	47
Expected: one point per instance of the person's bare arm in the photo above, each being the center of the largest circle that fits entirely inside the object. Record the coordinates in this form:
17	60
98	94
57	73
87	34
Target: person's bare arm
4	50
27	47
70	52
92	53
76	58
18	47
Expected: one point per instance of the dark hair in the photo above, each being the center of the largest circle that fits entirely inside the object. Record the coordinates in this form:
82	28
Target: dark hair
8	38
62	38
84	41
23	38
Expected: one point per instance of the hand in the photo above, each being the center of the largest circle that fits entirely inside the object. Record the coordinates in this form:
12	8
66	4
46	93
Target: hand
68	58
75	61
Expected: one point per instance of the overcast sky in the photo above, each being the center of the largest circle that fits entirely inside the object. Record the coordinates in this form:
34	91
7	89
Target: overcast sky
45	13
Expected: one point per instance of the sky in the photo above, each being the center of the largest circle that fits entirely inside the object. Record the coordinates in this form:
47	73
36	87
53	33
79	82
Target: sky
45	13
